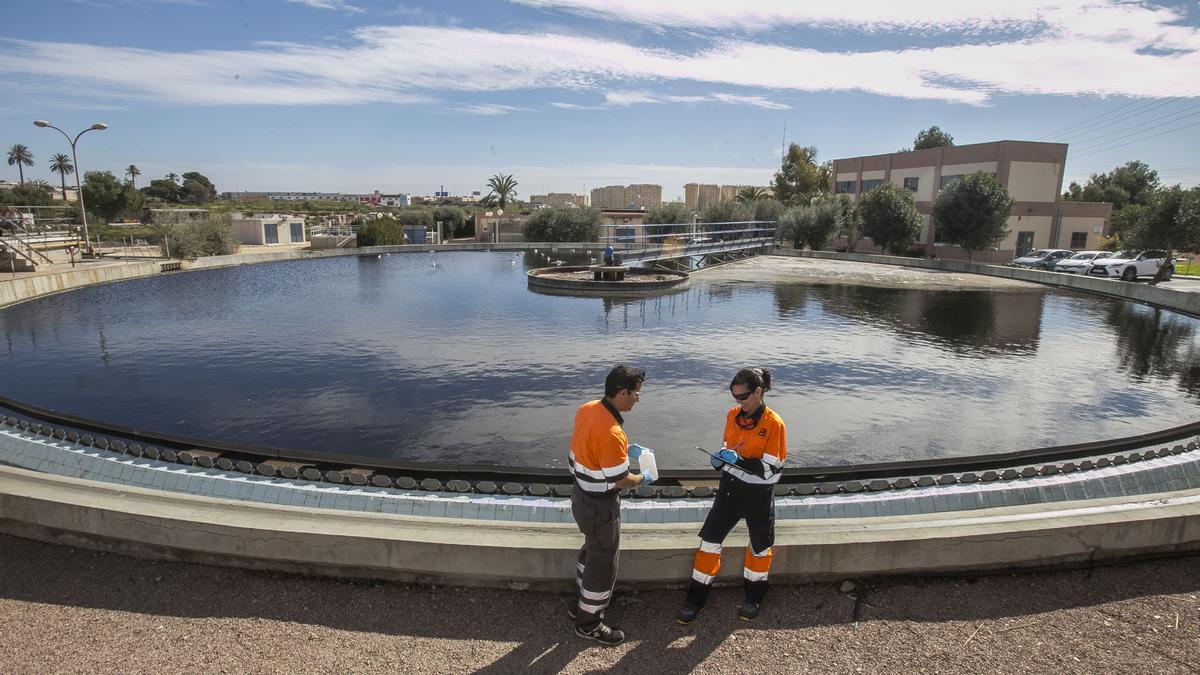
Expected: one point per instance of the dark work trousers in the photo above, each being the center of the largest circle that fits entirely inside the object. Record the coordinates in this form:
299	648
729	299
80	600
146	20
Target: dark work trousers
599	519
716	527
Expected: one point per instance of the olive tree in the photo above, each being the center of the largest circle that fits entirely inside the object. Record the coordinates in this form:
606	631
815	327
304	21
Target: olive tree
890	218
562	223
379	232
1171	221
190	237
813	225
972	212
849	221
727	212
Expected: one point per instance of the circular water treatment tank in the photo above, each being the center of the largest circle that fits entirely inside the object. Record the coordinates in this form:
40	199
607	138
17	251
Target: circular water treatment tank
458	363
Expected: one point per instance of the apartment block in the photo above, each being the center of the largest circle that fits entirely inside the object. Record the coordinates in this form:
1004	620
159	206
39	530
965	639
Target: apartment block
1032	172
636	196
558	199
697	196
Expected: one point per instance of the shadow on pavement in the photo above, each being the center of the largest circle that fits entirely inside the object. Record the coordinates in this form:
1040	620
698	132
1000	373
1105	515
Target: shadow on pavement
535	623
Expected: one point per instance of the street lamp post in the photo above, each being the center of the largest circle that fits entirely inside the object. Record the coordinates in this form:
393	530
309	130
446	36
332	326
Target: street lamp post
98	126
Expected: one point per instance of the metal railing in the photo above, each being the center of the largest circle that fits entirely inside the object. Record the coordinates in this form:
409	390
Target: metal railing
657	241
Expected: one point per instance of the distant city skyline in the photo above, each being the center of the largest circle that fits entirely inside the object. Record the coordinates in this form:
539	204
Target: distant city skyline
572	95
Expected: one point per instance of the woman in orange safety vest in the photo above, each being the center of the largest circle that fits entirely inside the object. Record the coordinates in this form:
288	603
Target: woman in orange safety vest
751	460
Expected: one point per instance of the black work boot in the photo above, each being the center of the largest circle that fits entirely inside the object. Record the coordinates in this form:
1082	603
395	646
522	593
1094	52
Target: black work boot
687	614
749	611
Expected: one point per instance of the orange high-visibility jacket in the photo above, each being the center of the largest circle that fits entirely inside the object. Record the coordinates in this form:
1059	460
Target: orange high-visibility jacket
762	449
599	448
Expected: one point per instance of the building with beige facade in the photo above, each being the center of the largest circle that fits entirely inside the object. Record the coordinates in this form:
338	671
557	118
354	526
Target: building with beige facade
698	196
558	199
1032	173
636	196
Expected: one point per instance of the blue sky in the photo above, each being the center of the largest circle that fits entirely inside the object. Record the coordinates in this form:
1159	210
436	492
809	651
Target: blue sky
567	95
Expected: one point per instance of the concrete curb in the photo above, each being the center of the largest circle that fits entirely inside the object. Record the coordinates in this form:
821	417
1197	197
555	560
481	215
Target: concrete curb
432	550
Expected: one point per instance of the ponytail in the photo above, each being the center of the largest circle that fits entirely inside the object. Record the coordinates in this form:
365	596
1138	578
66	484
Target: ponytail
753	378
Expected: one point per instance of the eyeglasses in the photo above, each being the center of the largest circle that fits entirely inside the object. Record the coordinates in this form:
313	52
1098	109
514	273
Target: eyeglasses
743	397
634	393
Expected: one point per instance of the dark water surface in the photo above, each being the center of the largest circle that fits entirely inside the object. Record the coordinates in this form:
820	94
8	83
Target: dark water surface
448	357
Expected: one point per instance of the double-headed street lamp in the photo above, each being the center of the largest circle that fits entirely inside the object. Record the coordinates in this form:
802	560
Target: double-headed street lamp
98	126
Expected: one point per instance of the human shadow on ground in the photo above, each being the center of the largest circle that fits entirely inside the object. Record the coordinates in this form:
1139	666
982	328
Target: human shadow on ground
536	622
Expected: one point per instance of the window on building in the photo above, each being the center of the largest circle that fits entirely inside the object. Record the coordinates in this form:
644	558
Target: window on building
1079	240
844	187
271	233
946	180
910	184
298	232
868	185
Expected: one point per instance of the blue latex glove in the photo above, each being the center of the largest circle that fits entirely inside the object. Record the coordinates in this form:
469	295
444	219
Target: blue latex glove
727	455
636	450
648	476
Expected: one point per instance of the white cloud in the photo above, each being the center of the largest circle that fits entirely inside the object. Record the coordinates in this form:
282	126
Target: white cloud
1079	17
334	5
1101	51
621	99
757	101
490	109
574	106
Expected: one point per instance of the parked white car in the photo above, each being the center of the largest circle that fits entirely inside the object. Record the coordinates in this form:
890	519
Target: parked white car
1129	265
1080	262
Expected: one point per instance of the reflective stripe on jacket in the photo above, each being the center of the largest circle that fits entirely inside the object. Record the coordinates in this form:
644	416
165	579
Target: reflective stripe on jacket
599	448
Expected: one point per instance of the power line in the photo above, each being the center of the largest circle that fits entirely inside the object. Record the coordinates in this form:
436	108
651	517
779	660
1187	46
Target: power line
1136	140
1104	114
1177	116
1146	106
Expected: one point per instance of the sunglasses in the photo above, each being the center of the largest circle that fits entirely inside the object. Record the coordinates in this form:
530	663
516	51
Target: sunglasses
743	397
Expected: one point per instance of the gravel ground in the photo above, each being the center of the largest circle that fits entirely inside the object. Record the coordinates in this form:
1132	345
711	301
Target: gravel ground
71	610
782	269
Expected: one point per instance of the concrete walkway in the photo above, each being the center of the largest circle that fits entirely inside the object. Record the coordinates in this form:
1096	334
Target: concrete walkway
70	610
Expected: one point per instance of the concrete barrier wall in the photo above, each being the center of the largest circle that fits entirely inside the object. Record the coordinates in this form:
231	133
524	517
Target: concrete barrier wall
254	258
422	549
25	288
1161	296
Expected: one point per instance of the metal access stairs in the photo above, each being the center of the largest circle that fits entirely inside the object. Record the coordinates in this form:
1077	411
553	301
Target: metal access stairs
23	241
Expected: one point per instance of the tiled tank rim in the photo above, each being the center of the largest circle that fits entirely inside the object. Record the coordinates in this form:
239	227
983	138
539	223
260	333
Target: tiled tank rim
387	479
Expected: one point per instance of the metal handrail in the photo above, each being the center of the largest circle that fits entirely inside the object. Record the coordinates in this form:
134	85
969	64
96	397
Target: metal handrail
14	237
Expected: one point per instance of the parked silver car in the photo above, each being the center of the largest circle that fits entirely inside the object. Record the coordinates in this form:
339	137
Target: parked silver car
1129	265
1081	262
1041	258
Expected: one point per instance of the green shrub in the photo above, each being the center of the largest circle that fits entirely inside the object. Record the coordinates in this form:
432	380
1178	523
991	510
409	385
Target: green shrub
562	223
890	218
186	237
382	232
669	213
727	212
813	225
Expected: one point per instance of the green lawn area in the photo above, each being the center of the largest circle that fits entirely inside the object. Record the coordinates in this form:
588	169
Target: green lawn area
1189	268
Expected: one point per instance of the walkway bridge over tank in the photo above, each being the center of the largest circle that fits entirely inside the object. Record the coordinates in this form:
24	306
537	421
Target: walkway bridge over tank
688	246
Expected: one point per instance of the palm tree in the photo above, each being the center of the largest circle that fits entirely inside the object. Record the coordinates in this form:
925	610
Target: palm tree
62	164
749	195
21	156
504	187
133	172
173	177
